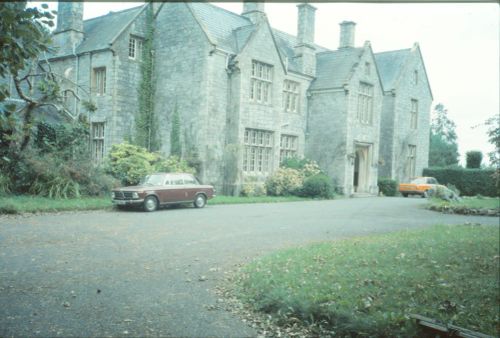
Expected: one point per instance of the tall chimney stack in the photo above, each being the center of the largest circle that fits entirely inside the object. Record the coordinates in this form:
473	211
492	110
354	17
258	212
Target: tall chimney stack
347	30
254	11
305	50
69	31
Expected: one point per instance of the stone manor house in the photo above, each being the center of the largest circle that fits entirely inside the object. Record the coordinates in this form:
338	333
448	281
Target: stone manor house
248	95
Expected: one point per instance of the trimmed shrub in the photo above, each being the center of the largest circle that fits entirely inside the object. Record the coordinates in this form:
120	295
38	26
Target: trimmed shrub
387	186
318	185
285	181
469	182
253	190
473	159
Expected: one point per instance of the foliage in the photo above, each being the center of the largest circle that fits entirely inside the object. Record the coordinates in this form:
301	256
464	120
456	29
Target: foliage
470	182
319	185
254	189
371	285
129	163
285	181
5	184
443	193
306	166
473	159
443	147
493	124
25	203
387	186
174	164
175	134
146	121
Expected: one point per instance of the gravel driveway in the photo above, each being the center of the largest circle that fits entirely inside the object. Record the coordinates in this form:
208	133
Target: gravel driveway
127	273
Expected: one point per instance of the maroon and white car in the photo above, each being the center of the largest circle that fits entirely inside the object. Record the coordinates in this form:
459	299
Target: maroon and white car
162	189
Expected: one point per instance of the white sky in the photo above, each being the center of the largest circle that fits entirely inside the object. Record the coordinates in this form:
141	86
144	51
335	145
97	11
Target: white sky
459	43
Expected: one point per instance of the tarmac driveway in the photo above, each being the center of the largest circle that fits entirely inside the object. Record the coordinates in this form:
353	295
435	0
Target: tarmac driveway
122	273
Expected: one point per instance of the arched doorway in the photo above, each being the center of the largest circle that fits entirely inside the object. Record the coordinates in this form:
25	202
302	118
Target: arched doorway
361	169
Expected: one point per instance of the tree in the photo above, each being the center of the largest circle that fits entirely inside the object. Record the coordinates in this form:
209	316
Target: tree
473	159
493	132
443	148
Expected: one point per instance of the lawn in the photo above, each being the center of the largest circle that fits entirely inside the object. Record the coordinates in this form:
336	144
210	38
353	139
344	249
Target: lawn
26	204
468	205
369	286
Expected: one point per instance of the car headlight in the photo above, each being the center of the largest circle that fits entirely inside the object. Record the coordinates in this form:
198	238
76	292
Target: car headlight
112	194
135	195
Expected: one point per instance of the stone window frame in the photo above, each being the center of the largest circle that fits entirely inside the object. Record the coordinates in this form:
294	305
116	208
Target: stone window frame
291	96
415	77
261	81
99	81
289	146
368	68
135	47
98	134
412	160
365	103
258	151
414	114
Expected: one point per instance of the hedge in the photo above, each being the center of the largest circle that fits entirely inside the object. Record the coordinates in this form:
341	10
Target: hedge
469	182
388	186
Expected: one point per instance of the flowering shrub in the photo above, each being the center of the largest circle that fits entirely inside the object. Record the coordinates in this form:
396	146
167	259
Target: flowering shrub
285	181
174	164
253	189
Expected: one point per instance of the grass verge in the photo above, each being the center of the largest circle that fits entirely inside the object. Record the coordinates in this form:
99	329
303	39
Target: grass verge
26	204
369	286
467	206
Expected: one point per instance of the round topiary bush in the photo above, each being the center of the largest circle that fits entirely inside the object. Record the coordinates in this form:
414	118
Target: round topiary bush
318	185
387	186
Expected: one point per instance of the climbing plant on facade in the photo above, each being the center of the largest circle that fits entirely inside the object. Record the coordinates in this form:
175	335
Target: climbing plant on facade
146	123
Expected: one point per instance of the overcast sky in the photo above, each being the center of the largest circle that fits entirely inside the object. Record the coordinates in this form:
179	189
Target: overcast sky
459	43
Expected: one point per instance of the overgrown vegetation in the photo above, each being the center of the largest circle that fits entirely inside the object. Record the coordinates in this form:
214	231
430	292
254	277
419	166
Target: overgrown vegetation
146	122
369	286
443	146
387	186
470	182
473	159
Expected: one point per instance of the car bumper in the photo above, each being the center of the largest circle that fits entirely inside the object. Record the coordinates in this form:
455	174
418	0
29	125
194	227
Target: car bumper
128	202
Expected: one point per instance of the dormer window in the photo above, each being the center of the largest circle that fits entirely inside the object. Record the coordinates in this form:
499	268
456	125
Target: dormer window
135	48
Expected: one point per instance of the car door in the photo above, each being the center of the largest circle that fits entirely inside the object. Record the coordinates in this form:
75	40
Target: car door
191	186
178	191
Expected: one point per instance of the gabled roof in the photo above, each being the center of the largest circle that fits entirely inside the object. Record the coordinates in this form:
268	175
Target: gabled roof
333	68
102	31
219	24
390	65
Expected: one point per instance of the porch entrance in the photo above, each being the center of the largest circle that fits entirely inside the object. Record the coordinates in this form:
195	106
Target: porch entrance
361	168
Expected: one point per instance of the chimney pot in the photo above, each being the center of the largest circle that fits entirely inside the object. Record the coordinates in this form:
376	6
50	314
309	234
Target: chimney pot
347	30
254	11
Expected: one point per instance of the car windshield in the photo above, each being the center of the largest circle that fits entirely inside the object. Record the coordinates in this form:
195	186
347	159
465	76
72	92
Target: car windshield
153	180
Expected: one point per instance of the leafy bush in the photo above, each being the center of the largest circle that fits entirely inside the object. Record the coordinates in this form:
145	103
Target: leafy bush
5	184
318	185
253	190
285	181
473	159
129	163
469	182
174	164
305	166
387	186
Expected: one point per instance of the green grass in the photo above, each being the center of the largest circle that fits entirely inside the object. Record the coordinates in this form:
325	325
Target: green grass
221	199
25	203
369	286
471	202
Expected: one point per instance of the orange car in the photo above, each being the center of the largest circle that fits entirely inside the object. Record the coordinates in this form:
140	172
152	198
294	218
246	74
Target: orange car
419	186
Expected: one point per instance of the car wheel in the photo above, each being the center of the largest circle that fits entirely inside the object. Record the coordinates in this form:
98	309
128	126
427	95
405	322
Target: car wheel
405	195
200	201
150	203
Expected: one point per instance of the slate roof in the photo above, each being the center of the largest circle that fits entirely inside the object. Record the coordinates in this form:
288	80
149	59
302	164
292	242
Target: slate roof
333	68
389	65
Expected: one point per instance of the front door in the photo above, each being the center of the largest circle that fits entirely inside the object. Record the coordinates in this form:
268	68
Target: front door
361	168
